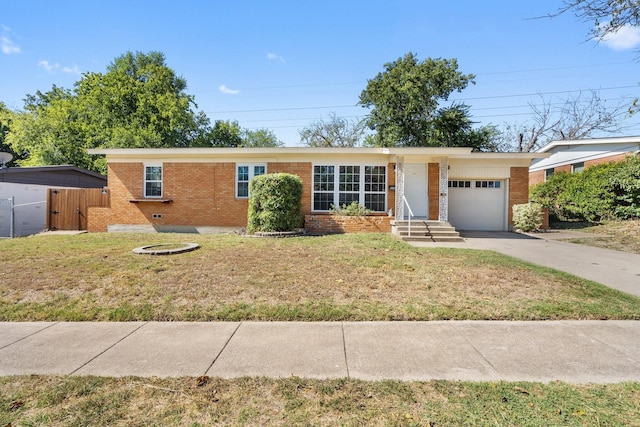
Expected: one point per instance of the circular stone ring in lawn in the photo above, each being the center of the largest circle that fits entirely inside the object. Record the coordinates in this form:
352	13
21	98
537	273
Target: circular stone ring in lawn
166	248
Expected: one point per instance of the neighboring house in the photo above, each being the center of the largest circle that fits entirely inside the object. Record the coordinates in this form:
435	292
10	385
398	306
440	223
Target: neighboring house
577	155
24	194
185	188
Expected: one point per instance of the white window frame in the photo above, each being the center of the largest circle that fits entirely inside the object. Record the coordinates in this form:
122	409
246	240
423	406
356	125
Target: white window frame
146	181
251	174
577	167
361	183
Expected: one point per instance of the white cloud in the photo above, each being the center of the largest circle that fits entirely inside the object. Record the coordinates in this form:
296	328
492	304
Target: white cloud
228	91
274	57
71	70
625	38
49	67
9	47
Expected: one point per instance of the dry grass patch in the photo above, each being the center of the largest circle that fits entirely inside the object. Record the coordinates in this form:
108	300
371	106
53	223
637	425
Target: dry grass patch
344	277
623	236
73	401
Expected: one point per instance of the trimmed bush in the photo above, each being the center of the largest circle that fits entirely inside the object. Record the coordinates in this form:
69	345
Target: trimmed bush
527	217
354	209
275	203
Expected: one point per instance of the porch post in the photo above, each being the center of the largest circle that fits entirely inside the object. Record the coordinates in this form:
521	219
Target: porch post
399	213
443	211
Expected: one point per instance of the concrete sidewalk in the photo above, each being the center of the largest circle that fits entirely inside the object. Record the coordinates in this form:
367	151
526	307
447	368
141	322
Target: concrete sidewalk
572	351
618	270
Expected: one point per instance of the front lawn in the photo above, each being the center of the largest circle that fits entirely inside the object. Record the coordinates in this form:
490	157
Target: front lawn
231	277
80	401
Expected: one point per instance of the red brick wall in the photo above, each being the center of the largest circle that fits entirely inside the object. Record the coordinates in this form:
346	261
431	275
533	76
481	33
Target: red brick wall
330	224
201	194
97	219
563	168
518	189
616	158
536	177
391	181
433	190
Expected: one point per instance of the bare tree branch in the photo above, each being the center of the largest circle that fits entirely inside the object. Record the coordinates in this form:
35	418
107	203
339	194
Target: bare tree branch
578	117
335	132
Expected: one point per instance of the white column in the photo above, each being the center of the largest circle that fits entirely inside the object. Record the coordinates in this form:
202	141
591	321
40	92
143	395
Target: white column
399	213
443	199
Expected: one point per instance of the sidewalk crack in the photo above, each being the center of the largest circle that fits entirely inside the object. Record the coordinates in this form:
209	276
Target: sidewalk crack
482	356
30	335
344	349
107	349
223	348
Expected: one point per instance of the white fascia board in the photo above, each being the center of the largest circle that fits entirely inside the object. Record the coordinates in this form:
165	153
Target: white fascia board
306	154
591	141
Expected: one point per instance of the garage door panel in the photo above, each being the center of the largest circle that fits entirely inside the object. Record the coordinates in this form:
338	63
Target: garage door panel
478	208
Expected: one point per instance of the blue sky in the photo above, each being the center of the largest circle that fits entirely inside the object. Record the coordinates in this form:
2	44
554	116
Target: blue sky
283	64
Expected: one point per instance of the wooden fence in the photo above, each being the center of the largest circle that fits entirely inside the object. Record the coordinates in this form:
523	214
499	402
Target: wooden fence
67	208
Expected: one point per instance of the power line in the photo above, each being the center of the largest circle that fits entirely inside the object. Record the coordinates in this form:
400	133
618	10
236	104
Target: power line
461	99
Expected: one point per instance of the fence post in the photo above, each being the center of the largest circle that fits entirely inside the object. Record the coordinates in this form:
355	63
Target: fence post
11	217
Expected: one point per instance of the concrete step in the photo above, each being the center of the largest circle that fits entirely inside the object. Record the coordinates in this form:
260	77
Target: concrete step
425	230
443	239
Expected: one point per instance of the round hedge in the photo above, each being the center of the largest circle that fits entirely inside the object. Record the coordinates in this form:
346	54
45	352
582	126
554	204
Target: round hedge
275	203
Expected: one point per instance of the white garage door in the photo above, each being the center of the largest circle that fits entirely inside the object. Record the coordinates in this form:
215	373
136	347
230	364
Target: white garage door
478	204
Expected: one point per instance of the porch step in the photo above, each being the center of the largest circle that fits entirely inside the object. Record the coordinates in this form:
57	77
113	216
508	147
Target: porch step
425	230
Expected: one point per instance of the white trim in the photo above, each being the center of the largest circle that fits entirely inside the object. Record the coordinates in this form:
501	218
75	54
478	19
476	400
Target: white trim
252	174
144	180
593	141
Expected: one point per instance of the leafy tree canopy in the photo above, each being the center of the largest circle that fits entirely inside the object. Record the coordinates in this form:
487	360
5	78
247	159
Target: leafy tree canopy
138	102
6	118
405	101
260	138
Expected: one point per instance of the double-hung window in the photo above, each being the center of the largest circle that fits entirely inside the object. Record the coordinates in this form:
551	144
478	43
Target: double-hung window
337	185
244	174
153	181
323	187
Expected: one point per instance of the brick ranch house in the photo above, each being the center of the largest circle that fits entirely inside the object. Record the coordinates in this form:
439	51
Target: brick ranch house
576	155
183	189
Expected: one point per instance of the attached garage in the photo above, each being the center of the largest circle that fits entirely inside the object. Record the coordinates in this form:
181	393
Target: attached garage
478	204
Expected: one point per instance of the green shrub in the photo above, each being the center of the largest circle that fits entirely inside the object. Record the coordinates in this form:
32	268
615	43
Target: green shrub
354	209
584	196
275	203
527	217
625	184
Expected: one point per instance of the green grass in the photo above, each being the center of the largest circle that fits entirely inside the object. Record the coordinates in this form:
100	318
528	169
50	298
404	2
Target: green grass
96	277
74	401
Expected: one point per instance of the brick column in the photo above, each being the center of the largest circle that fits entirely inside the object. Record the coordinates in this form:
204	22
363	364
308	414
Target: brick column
518	189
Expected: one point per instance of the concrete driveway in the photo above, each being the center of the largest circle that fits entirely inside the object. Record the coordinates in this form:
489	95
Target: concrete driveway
618	270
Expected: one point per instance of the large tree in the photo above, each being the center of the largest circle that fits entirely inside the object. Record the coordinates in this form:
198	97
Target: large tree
260	138
334	132
138	102
406	104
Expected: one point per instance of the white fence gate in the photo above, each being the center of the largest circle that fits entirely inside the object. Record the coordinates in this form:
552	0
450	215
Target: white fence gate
26	214
6	221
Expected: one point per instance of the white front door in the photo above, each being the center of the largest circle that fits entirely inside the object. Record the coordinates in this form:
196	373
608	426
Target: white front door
415	188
